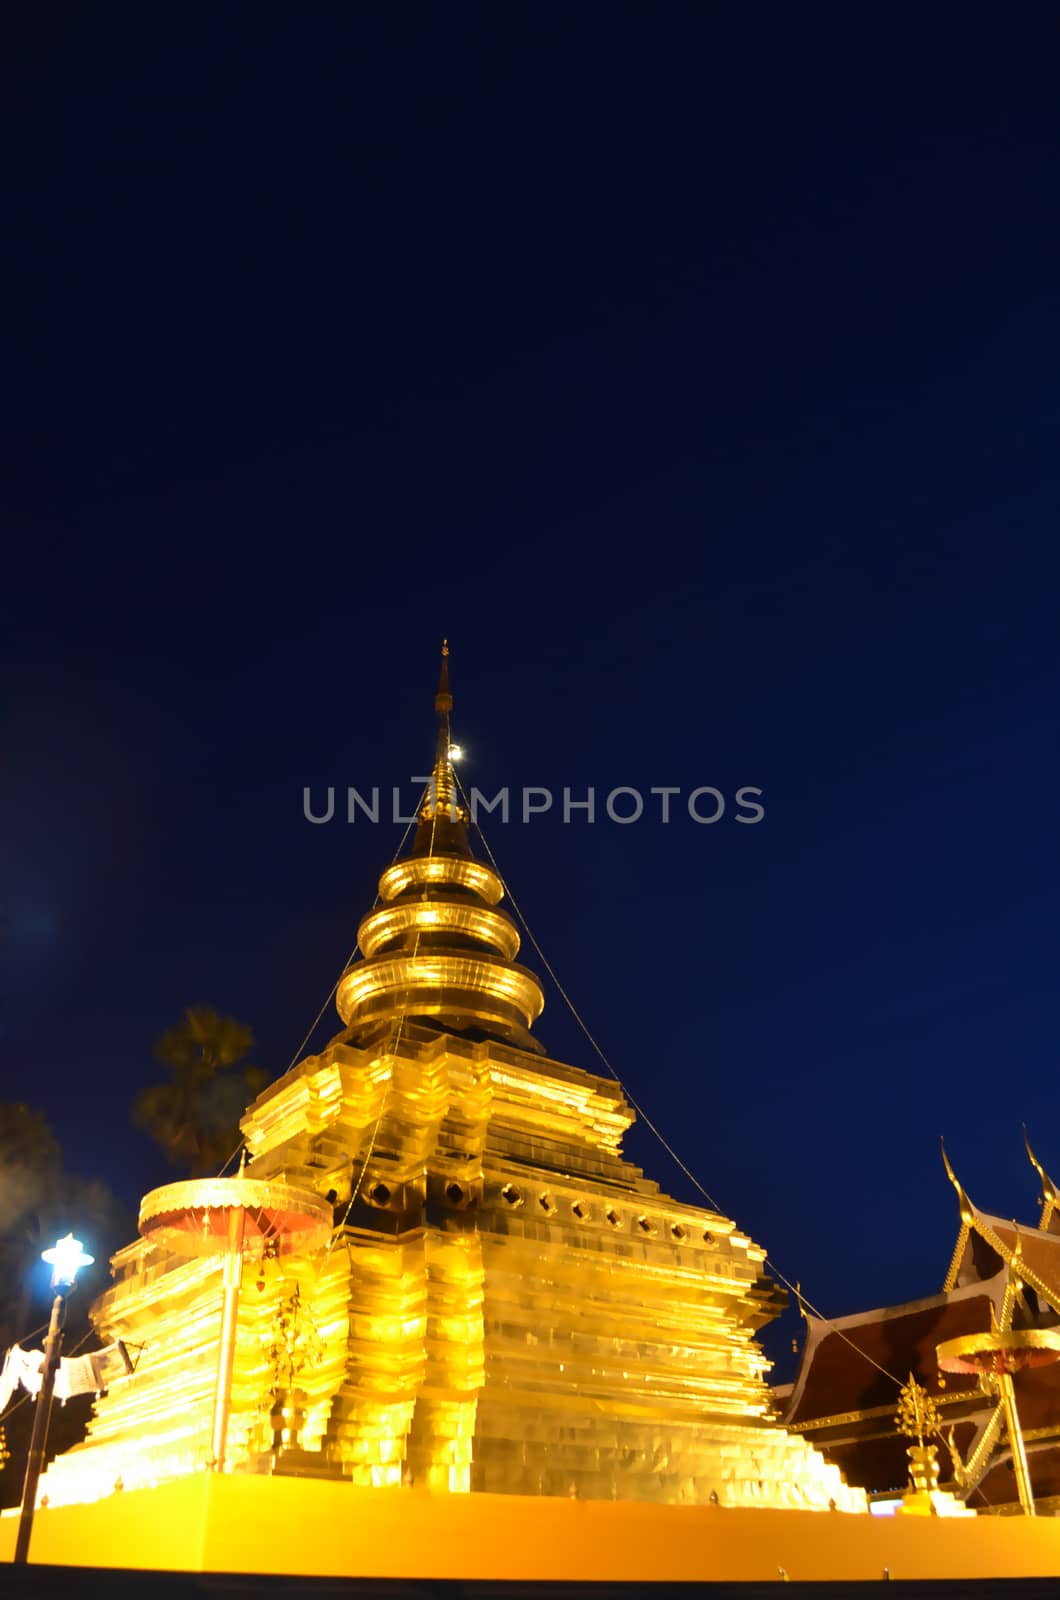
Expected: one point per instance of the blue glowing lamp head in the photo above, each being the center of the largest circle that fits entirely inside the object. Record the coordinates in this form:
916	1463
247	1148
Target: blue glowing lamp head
66	1257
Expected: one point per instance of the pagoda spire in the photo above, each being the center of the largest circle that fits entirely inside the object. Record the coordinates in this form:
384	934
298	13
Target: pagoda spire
436	951
442	819
441	798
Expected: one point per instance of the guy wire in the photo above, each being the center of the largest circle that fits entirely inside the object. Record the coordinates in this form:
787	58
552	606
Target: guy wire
801	1298
330	996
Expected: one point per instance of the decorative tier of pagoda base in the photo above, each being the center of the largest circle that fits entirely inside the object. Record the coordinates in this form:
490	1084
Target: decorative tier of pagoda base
506	1307
220	1523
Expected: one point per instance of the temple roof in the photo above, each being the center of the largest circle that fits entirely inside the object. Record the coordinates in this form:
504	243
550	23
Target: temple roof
841	1358
985	1240
1001	1274
996	1241
834	1375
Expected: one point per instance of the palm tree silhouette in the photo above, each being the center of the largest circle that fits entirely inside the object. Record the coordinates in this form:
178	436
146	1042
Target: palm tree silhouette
195	1114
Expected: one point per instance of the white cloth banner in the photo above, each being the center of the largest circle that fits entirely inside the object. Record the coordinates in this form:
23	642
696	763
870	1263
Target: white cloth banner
76	1375
20	1367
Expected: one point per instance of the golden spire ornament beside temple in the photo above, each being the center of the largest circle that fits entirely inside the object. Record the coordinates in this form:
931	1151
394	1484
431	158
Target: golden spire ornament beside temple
919	1419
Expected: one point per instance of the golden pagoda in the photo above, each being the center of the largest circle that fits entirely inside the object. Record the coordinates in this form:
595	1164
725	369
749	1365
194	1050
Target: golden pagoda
437	1327
505	1304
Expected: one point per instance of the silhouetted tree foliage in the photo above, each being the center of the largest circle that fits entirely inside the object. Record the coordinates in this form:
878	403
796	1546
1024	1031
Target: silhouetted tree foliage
195	1114
39	1201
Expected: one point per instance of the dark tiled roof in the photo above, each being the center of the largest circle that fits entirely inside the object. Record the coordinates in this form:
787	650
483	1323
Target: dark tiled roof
835	1376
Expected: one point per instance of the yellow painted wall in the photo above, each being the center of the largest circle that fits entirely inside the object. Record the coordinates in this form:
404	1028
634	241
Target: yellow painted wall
312	1528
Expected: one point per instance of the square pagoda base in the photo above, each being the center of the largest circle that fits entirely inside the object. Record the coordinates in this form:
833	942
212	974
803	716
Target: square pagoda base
314	1528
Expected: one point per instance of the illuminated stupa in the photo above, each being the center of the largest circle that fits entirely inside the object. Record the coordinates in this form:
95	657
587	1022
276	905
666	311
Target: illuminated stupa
505	1306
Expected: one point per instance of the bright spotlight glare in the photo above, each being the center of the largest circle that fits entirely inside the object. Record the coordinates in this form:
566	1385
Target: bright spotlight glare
65	1258
455	753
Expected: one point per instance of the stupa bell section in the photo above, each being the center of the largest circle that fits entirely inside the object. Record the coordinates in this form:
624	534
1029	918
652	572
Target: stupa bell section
506	1304
438	948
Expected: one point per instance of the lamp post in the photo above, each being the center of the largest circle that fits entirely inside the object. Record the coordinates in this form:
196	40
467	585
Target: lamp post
65	1258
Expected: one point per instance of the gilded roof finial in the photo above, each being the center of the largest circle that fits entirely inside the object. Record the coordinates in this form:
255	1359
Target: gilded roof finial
1050	1197
441	798
967	1209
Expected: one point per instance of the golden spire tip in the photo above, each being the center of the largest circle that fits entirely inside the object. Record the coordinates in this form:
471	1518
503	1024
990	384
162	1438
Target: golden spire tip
443	700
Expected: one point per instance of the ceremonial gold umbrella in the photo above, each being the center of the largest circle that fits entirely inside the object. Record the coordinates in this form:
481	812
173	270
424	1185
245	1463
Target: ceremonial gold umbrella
236	1218
999	1353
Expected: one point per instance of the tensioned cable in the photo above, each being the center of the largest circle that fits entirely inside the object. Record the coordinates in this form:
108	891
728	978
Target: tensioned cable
330	996
393	1049
802	1299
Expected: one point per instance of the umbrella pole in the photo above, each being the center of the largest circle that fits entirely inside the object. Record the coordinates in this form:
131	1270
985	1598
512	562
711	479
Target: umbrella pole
1015	1439
233	1274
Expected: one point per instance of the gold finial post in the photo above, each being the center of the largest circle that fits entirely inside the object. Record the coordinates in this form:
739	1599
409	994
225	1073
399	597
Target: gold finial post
917	1418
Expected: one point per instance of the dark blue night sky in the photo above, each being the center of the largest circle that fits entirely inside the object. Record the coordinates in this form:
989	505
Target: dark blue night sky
694	369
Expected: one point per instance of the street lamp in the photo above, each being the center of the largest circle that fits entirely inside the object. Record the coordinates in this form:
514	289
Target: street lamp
66	1258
